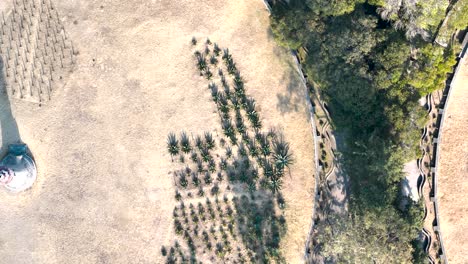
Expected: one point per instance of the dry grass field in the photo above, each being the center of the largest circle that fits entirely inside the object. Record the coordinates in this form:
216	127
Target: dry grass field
104	192
453	171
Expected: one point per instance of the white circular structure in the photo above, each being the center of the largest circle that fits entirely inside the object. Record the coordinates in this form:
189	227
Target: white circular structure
17	169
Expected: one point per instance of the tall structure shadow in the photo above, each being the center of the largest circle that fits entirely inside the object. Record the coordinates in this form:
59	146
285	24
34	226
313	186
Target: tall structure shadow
8	125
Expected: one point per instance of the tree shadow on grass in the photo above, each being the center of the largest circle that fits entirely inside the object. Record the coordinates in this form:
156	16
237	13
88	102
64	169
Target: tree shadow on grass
292	100
9	127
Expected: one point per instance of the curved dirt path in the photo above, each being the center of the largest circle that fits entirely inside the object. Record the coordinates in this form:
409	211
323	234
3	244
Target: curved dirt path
453	170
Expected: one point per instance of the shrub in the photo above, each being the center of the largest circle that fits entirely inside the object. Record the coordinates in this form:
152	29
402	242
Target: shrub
172	144
205	154
226	55
201	63
228	152
208	179
195	180
242	150
194	156
199	142
210	143
213	60
281	154
183	181
178	227
215	189
214	92
185	143
228	129
211	165
223	164
208	74
200	166
216	49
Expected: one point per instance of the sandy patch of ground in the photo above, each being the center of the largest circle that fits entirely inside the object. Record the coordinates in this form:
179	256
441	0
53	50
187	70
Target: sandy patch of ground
103	193
453	171
410	183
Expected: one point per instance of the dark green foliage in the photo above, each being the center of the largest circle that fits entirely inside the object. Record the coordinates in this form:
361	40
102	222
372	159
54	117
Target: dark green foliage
265	145
282	156
259	227
199	142
332	7
226	55
254	152
194	157
163	251
208	74
211	165
260	222
172	144
228	152
216	50
214	91
213	60
210	143
240	124
207	178
195	180
194	41
183	180
276	184
219	177
371	77
205	154
252	113
242	150
223	164
178	226
223	104
185	143
199	166
215	189
229	131
201	63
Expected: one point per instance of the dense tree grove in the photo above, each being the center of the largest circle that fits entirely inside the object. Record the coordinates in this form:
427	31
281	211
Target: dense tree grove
371	62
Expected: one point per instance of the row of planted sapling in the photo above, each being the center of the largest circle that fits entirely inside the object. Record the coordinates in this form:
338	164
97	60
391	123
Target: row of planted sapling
210	225
245	165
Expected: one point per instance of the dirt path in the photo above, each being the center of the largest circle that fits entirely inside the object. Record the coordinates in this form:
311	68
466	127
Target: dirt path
104	193
453	170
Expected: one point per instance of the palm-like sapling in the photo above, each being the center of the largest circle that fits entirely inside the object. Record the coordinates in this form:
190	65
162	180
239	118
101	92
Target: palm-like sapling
210	143
282	156
185	143
216	49
172	144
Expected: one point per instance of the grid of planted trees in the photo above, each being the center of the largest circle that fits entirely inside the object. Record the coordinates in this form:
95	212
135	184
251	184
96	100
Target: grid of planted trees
36	54
228	188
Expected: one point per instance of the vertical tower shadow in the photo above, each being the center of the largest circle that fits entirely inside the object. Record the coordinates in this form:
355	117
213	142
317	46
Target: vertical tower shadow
9	128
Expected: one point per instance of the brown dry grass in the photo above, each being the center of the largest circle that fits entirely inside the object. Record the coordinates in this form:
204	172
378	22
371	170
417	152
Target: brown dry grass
103	193
453	171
